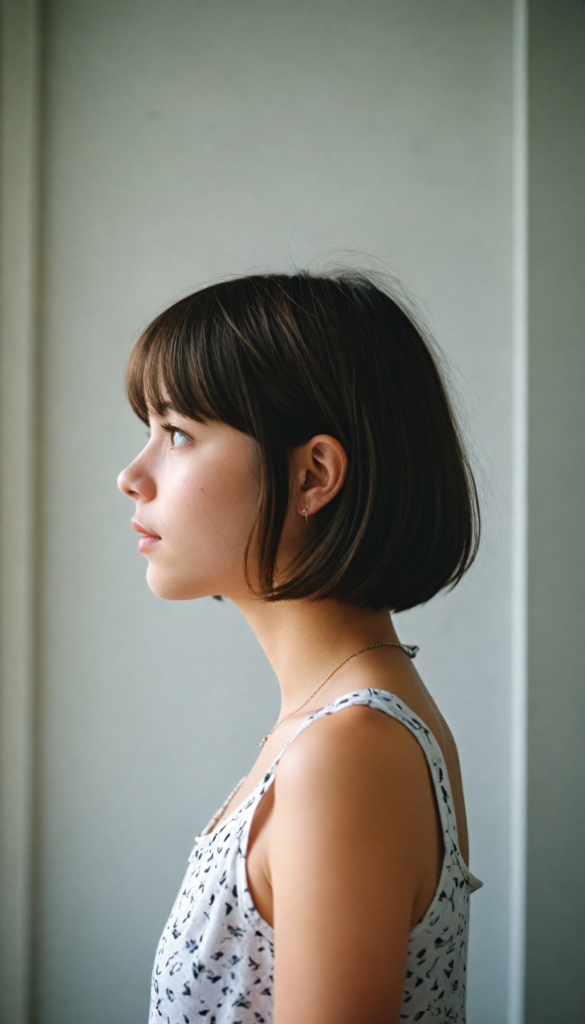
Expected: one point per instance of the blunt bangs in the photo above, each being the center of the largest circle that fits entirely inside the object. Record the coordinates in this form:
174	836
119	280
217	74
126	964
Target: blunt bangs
284	357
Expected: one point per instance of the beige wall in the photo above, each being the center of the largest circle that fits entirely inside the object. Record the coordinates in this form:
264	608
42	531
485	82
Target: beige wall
186	140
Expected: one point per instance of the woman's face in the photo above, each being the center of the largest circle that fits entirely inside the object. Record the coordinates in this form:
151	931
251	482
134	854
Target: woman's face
196	488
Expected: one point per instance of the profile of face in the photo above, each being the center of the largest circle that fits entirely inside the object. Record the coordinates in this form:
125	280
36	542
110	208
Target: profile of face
197	486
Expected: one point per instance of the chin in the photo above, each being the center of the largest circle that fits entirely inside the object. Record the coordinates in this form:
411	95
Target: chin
177	589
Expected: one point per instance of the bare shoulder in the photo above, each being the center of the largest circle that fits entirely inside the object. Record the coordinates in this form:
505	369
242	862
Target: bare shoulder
352	729
353	859
354	806
353	754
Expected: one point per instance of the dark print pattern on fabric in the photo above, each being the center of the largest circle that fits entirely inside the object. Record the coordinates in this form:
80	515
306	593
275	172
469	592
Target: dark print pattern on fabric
215	960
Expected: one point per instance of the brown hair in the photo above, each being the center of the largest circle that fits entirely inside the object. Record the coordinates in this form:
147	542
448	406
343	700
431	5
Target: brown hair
285	357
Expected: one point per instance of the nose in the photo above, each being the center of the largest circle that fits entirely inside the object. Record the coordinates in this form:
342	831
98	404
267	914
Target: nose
124	482
135	483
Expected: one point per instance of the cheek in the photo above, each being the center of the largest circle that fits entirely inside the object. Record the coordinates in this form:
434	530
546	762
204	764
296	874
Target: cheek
212	510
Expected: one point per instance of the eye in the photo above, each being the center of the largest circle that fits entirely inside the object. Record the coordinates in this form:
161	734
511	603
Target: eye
178	438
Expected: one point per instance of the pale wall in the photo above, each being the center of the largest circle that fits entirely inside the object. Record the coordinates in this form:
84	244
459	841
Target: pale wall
182	141
555	949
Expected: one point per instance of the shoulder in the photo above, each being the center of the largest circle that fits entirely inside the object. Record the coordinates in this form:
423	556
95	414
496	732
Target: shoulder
358	732
358	761
349	863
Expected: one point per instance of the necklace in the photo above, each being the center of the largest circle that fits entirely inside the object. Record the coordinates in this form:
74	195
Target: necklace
408	649
411	651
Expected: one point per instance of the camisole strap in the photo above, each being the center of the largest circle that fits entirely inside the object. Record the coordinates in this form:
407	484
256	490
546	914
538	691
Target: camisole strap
390	704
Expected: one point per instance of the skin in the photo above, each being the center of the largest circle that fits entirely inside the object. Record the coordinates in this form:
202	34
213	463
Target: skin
345	851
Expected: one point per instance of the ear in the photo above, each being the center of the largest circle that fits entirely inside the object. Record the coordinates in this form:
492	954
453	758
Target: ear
320	470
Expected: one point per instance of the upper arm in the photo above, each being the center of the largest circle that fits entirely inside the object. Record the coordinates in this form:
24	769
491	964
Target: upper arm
349	837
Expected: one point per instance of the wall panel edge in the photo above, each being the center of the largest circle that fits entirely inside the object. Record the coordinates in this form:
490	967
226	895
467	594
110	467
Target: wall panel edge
19	147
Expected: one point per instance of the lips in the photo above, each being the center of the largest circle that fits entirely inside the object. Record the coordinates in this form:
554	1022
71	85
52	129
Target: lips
148	539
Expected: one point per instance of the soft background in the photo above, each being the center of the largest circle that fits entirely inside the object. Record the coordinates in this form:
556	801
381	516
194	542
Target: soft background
150	147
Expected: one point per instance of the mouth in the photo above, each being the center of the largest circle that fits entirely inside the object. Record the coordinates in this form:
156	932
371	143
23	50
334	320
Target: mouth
147	539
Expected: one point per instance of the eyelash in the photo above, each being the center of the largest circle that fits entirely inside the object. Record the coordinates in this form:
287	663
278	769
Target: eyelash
170	429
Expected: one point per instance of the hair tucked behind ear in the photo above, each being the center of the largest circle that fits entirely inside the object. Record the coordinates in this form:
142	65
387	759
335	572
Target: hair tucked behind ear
286	357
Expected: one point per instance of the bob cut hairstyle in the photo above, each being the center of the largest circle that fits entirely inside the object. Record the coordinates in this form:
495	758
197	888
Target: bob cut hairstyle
285	357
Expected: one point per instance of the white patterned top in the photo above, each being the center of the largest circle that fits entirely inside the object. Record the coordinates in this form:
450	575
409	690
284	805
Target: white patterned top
215	960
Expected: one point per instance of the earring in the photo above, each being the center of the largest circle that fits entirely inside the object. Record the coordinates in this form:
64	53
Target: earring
305	513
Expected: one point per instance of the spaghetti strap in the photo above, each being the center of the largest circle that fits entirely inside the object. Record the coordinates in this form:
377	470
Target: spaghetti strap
390	704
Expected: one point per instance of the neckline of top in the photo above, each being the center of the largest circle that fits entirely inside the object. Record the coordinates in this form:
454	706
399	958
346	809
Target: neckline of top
270	771
204	837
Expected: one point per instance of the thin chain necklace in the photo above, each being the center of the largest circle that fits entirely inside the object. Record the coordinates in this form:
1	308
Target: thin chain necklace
409	650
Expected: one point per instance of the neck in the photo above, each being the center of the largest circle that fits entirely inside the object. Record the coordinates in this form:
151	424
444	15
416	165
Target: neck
304	641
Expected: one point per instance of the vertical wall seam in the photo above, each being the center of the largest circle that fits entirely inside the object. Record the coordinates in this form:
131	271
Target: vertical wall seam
18	290
38	13
35	1011
518	710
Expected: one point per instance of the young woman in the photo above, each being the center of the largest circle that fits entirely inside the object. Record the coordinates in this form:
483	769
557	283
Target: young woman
304	461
